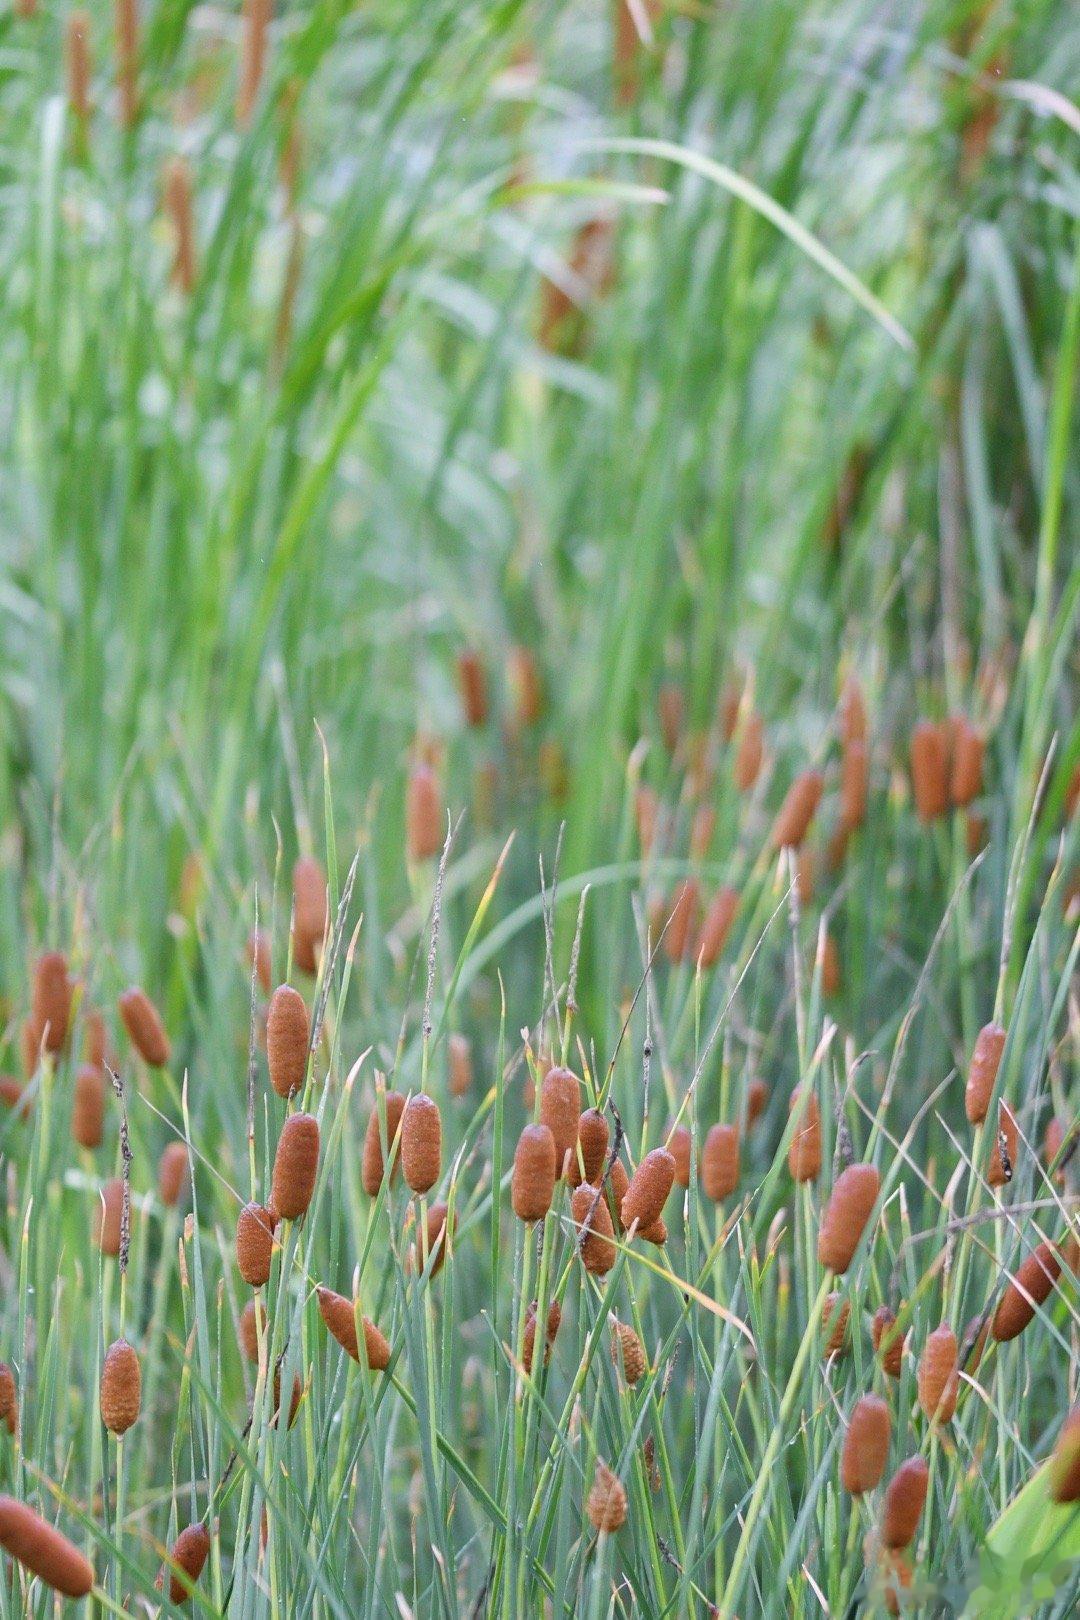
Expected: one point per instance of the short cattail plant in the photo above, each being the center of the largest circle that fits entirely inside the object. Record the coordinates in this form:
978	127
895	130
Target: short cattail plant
43	1550
627	1351
606	1505
127	61
459	1063
716	926
173	1174
1003	1156
339	1314
253	45
757	1099
145	1030
79	70
798	809
526	692
560	1111
432	1246
850	1205
309	913
95	1038
9	1399
587	1163
252	1317
288	1033
888	1340
472	685
902	1508
854	784
179	193
554	1319
425	825
617	1182
938	1377
1026	1291
680	1146
187	1559
593	1220
532	1184
983	1071
749	752
372	1165
866	1445
121	1387
1065	1462
804	1151
834	1325
296	1165
421	1143
930	769
255	1243
648	1191
720	1162
88	1106
108	1217
966	782
50	1006
682	920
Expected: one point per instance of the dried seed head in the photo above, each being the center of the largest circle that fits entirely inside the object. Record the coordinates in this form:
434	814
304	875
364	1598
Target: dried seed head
797	810
679	1146
145	1030
593	1220
296	1165
373	1163
757	1097
459	1059
310	901
716	926
849	1208
255	1243
472	684
938	1379
9	1399
288	1034
720	1162
682	920
1003	1158
930	769
593	1145
627	1350
888	1340
1065	1462
606	1506
526	692
617	1183
108	1212
173	1173
258	953
189	1554
41	1548
1030	1288
257	14
967	761
340	1317
425	825
554	1318
421	1142
804	1152
88	1106
121	1387
532	1185
560	1111
866	1445
250	1318
903	1504
440	1231
854	784
51	1000
749	753
648	1190
982	1075
831	977
79	70
836	1333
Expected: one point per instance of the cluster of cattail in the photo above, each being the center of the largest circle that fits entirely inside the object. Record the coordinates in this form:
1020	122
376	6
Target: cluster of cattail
866	1445
255	1226
421	1143
42	1549
187	1559
1026	1291
938	1375
339	1314
843	1222
121	1387
373	1162
296	1166
288	1033
310	902
145	1029
946	766
606	1505
554	1320
425	823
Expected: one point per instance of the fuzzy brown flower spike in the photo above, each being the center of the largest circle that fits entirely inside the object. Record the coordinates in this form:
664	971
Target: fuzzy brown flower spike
982	1075
866	1445
532	1184
296	1165
340	1318
51	1000
421	1143
145	1029
591	1215
288	1032
903	1505
846	1214
372	1166
189	1554
560	1111
606	1506
121	1387
41	1548
648	1191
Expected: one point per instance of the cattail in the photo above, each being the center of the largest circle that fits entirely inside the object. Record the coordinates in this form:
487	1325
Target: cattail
866	1445
656	1232
850	1204
903	1505
973	1343
837	847
294	1398
145	1030
255	1243
1006	1147
288	1034
180	209
618	1181
459	1057
526	693
95	1039
258	954
836	1343
51	1000
679	1146
173	1174
854	728
976	834
716	926
41	1548
720	1162
854	782
750	752
670	708
88	1106
257	14
424	823
251	1317
1053	1142
79	70
108	1217
127	54
439	1231
930	769
560	1111
339	1314
627	1350
606	1506
1029	1288
1065	1462
646	816
373	1165
421	1142
9	1399
831	976
533	1182
967	761
593	1219
757	1097
648	1190
189	1553
593	1138
121	1387
31	1047
554	1318
682	920
888	1340
797	811
701	831
804	876
804	1152
982	1075
296	1165
310	903
938	1379
472	684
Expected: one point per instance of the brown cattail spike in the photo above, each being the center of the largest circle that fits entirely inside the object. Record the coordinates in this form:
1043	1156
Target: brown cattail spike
592	1151
797	810
373	1163
525	688
127	61
425	827
967	762
250	1318
1065	1462
340	1317
982	1075
472	684
9	1399
51	1000
439	1231
679	1145
648	1190
296	1165
1003	1157
1030	1288
256	23
866	1445
938	1378
757	1098
310	903
108	1217
532	1184
145	1030
846	1214
720	1162
88	1106
903	1505
421	1143
750	752
836	1332
930	769
255	1243
288	1033
188	1557
854	781
627	1350
180	207
560	1111
554	1318
79	71
670	708
618	1181
593	1220
682	920
121	1387
804	1153
606	1505
716	927
888	1341
459	1062
173	1174
41	1548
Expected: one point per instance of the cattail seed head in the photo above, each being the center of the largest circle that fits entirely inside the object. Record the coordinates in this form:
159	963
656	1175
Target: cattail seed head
593	1136
532	1185
648	1190
526	691
421	1142
627	1350
701	831
606	1505
189	1553
831	975
670	708
804	1152
982	1074
440	1230
79	71
717	926
976	834
1053	1142
127	54
938	1379
967	761
798	809
903	1504
1003	1158
121	1387
656	1232
459	1060
720	1162
88	1106
173	1174
288	1033
250	1318
804	875
13	1095
310	901
930	769
560	1111
617	1183
255	1243
145	1030
866	1445
749	753
679	1145
258	952
1065	1462
854	727
9	1399
108	1216
179	191
425	827
95	1038
854	783
682	920
41	1548
256	23
593	1220
296	1165
339	1314
472	684
849	1208
836	1332
554	1318
1031	1287
373	1165
51	1000
888	1340
757	1097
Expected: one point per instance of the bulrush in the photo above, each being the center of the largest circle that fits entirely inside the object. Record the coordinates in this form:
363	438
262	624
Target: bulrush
938	1378
749	753
618	1181
309	913
1006	1147
1029	1288
256	23
804	875
339	1314
757	1098
145	1030
716	927
13	1095
77	53
679	1146
804	1151
560	1111
836	1332
592	1148
373	1164
459	1063
250	1318
472	684
606	1505
108	1216
9	1399
532	1184
866	1445
670	708
1065	1462
296	1165
425	826
526	692
41	1548
967	761
88	1106
258	953
187	1559
593	1220
554	1318
854	727
831	976
930	769
888	1340
255	1243
656	1232
179	194
648	1190
720	1162
440	1230
854	782
127	61
121	1387
95	1038
903	1504
288	1033
421	1142
682	920
50	1002
797	811
982	1073
173	1174
842	1225
627	1350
